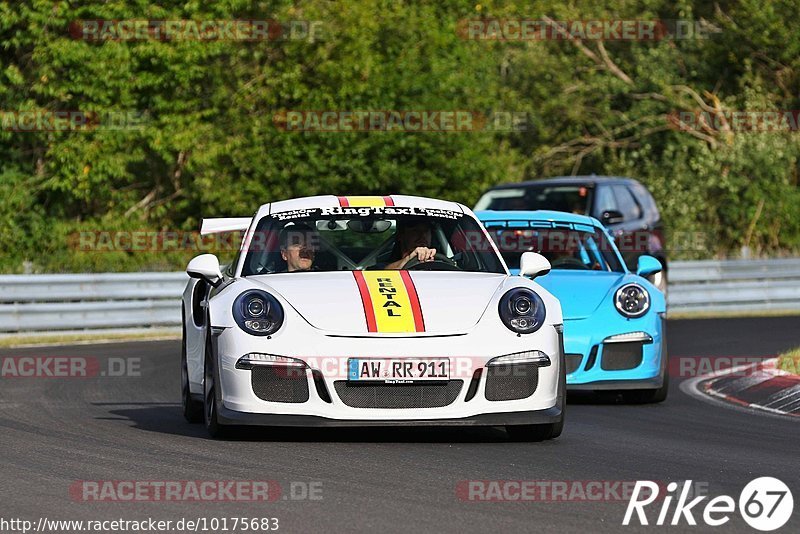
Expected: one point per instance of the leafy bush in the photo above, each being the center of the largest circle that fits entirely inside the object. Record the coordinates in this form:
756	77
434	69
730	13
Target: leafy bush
208	144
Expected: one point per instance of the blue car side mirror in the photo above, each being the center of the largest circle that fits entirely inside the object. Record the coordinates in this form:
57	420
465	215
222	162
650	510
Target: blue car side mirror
648	265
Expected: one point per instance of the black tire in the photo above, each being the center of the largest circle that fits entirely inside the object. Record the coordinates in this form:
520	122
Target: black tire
549	430
192	409
648	396
210	396
660	394
652	396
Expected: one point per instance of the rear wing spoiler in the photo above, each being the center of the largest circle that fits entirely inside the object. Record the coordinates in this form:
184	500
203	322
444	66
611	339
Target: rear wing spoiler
225	224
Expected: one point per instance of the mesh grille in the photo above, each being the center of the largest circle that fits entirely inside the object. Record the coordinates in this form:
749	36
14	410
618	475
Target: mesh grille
621	356
398	395
573	362
511	382
279	384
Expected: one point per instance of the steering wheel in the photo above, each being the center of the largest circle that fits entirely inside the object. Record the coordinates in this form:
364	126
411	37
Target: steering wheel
440	262
568	262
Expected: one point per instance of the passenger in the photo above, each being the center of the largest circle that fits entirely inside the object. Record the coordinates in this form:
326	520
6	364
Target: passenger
413	240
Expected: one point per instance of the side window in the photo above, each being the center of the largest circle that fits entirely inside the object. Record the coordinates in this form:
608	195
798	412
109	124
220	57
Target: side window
645	200
231	268
627	204
604	201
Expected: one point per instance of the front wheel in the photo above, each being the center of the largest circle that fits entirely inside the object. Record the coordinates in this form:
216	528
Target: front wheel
652	396
545	431
192	409
210	416
648	396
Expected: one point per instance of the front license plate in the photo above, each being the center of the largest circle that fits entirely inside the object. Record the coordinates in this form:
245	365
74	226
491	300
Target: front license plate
398	370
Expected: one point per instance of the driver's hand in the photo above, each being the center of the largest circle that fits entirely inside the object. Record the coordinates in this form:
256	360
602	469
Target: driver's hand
422	254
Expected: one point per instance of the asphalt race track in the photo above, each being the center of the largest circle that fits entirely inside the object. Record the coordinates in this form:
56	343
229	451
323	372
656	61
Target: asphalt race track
56	431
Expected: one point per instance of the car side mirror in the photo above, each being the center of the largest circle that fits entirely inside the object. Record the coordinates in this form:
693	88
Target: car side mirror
206	267
648	265
532	264
612	217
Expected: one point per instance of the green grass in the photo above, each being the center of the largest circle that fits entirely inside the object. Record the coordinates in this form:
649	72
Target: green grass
790	361
731	314
32	340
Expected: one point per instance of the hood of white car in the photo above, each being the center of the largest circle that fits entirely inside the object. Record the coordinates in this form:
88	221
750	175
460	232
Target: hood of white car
364	302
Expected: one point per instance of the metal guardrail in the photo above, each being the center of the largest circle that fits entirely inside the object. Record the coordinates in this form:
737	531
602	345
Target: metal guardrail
89	301
30	303
734	285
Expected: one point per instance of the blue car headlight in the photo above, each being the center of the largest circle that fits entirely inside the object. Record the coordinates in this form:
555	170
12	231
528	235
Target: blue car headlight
258	313
632	300
522	311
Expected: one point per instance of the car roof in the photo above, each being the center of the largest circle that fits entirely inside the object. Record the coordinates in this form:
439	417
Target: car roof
332	201
592	179
537	215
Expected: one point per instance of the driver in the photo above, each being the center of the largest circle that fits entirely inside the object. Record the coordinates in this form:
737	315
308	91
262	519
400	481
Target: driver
299	245
412	240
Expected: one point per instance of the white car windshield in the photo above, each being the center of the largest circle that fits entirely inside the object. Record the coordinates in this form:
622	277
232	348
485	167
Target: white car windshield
348	239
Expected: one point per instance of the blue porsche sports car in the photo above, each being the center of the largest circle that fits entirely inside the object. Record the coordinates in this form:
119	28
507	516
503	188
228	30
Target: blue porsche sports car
614	320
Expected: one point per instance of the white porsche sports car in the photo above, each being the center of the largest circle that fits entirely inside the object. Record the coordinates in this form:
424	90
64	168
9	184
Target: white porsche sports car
354	311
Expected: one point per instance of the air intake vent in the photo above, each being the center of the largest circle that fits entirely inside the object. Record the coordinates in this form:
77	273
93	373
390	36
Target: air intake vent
279	384
398	395
511	382
621	356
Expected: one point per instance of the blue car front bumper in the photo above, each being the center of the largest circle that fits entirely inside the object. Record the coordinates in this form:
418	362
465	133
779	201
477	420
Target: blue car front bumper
596	362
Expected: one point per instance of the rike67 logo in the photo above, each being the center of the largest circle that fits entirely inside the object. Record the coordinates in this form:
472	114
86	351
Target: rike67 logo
765	504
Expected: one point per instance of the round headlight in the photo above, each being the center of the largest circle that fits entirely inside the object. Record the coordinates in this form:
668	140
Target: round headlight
522	311
632	300
256	307
522	305
258	313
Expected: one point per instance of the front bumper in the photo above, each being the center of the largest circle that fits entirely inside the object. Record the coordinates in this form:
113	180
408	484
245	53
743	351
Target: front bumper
326	357
584	344
550	415
644	383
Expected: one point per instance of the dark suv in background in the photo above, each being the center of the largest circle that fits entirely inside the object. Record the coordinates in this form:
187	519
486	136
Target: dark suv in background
623	205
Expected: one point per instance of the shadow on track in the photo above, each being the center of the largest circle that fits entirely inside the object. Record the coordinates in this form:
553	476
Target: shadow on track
167	419
600	398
